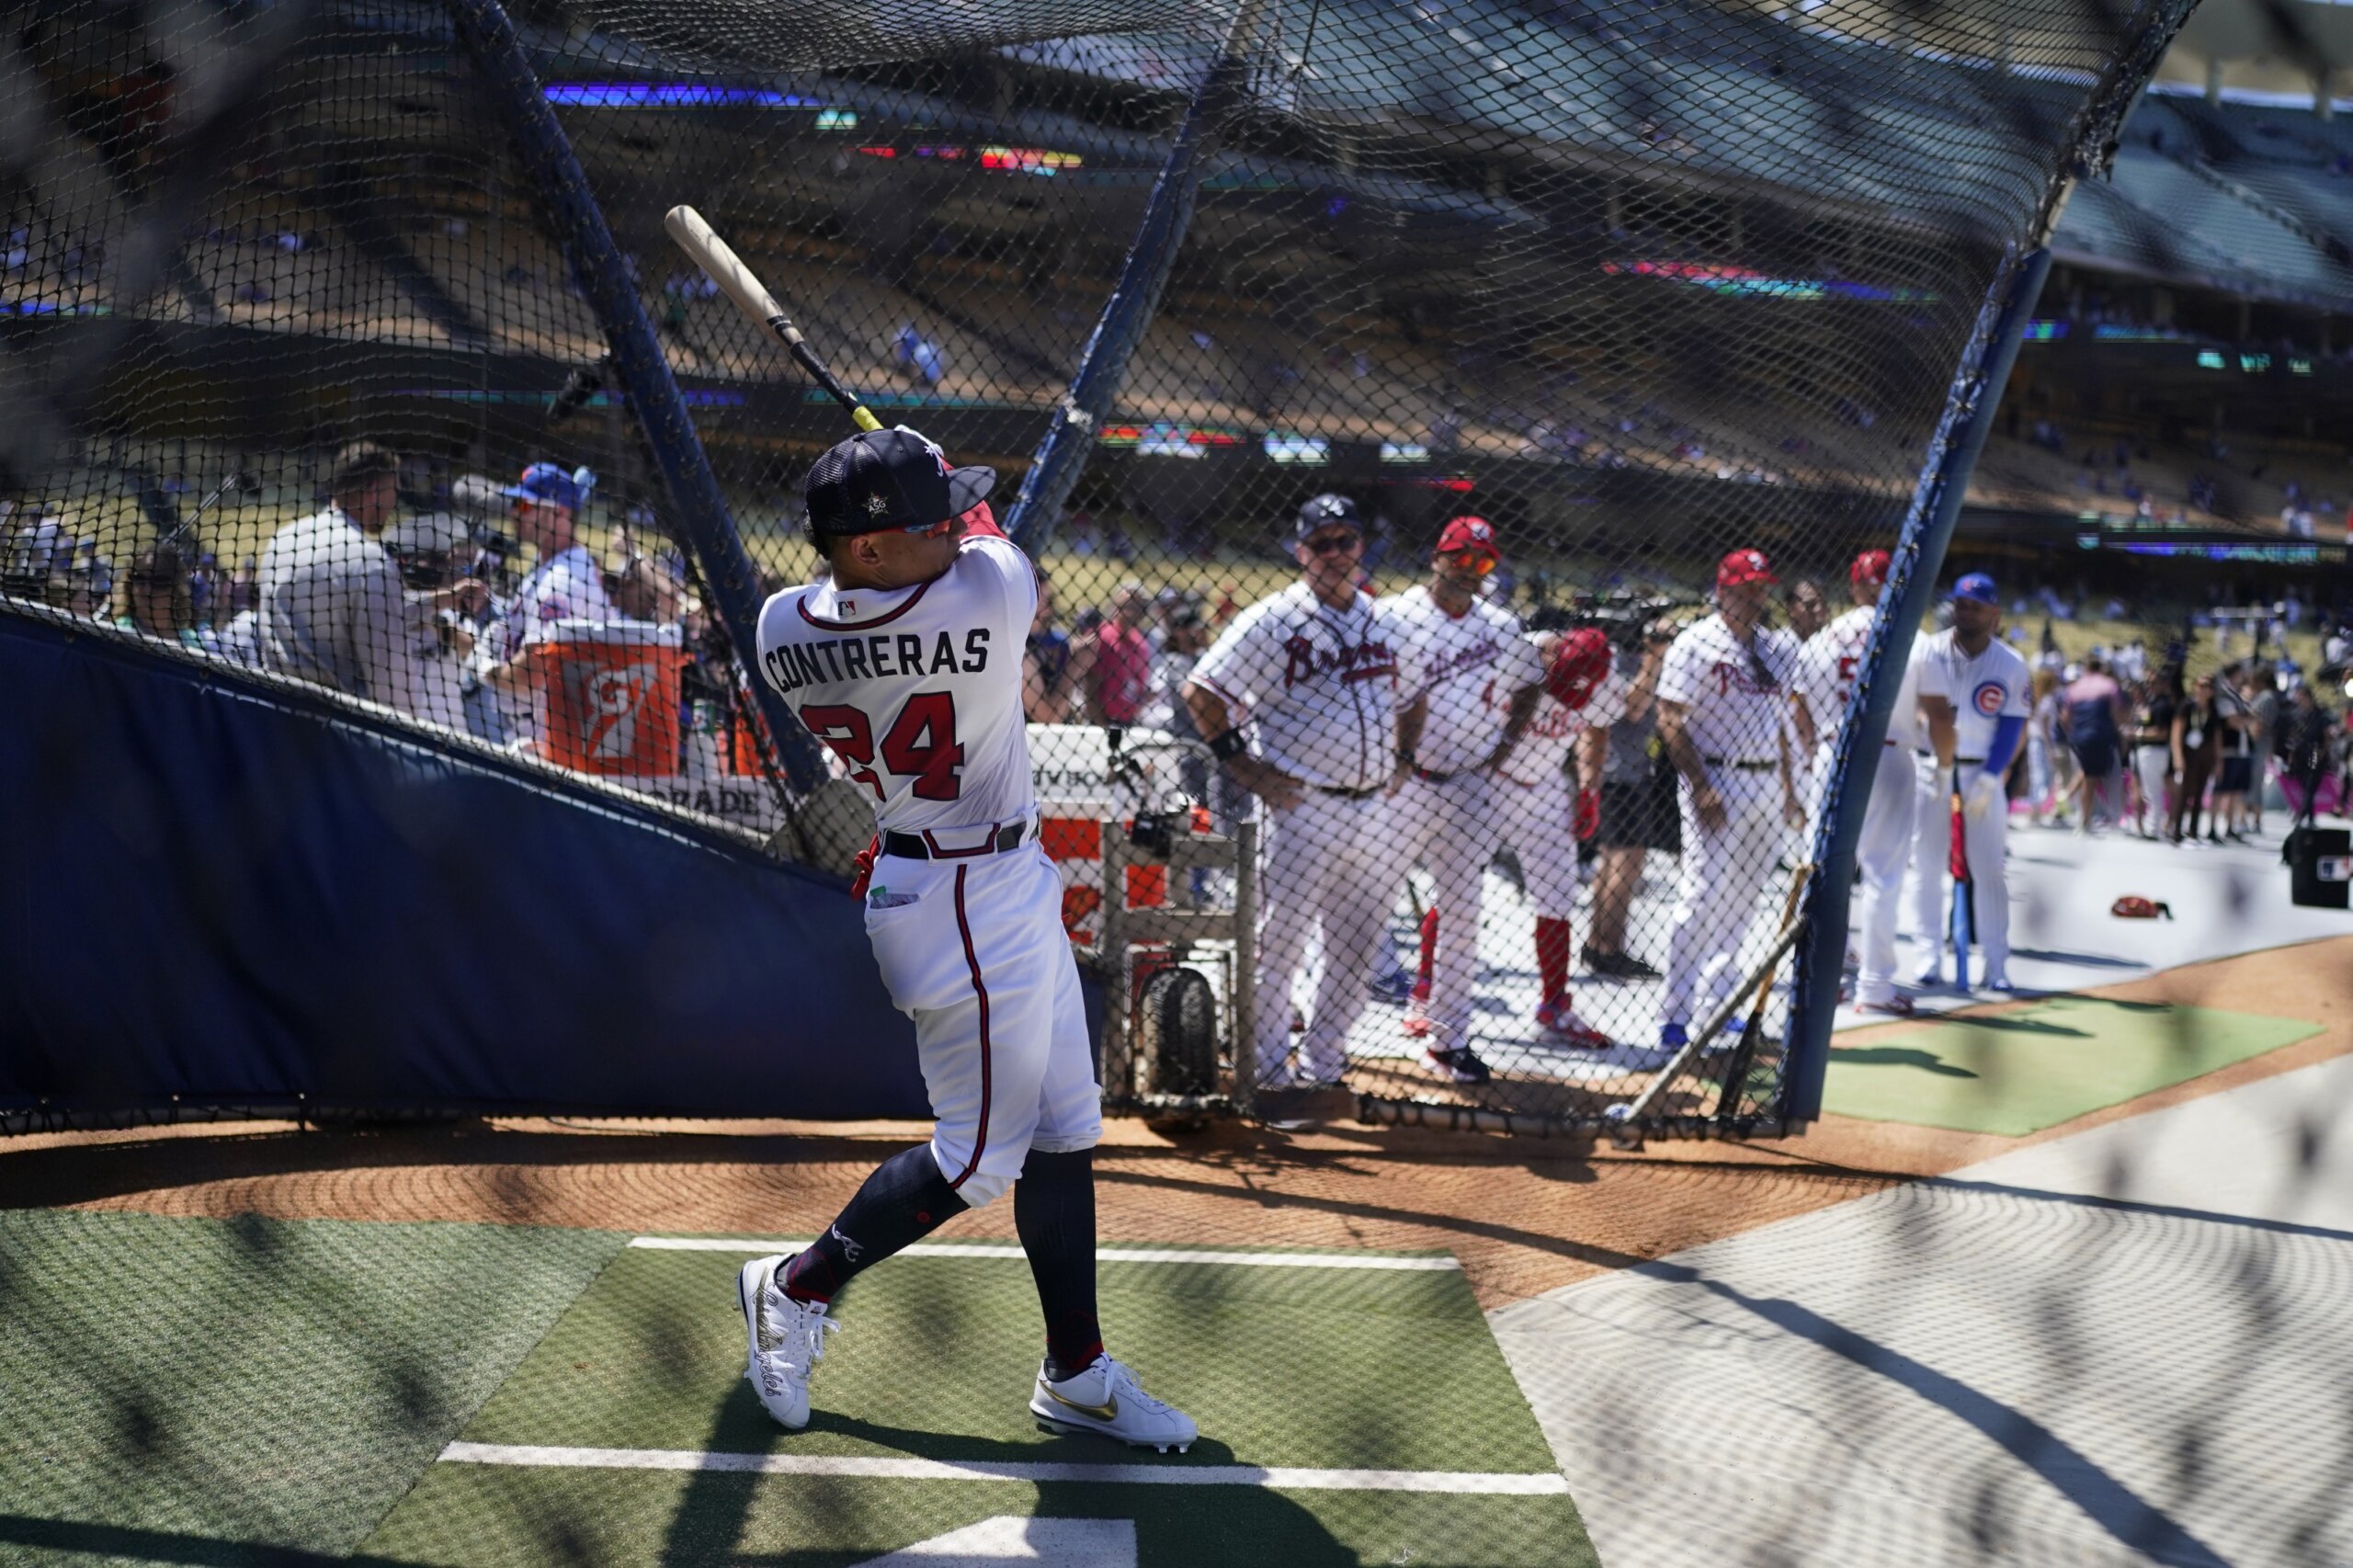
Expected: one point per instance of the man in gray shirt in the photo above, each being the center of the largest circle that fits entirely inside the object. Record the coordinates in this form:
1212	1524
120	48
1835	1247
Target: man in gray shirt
333	607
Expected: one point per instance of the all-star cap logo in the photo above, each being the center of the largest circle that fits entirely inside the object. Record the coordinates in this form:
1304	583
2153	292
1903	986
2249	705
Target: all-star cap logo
889	479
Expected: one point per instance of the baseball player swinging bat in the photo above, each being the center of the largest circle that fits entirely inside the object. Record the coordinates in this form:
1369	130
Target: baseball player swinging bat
715	256
1963	912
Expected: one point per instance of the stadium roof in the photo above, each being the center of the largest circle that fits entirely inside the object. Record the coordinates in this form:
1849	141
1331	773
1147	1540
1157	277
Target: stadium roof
2267	51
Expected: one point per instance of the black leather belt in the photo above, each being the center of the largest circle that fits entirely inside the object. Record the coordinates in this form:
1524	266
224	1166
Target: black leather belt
1957	762
918	846
1765	767
1348	794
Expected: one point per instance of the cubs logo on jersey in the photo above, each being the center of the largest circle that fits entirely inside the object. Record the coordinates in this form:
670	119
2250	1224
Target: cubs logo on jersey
1989	696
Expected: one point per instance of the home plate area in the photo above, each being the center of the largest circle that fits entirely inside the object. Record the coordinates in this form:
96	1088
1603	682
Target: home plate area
1354	1408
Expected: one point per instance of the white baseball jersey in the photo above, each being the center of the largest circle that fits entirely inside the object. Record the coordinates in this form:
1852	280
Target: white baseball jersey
917	690
1320	684
1829	666
1468	667
568	586
1732	701
1542	754
1982	690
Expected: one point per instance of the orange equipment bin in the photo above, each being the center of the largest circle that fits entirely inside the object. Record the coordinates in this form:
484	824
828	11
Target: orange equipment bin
613	697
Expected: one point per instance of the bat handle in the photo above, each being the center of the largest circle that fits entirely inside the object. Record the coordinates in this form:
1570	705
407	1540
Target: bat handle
808	360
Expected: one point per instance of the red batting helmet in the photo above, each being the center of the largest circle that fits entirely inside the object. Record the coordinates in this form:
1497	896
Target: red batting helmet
1872	566
1579	663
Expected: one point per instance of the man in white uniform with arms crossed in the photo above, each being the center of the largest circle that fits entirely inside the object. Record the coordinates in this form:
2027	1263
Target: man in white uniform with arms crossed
907	664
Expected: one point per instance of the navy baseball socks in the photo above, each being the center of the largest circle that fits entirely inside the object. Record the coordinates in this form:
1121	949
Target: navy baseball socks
1080	1389
903	1201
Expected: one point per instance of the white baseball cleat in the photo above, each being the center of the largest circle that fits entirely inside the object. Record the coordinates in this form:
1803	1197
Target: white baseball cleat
787	1340
1106	1400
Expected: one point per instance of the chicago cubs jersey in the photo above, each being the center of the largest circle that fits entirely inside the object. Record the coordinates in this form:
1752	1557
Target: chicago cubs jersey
1467	666
917	690
1319	685
1733	700
1542	754
1982	690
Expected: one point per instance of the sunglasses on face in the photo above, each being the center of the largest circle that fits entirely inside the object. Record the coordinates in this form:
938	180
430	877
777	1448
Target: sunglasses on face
1480	560
928	531
1334	544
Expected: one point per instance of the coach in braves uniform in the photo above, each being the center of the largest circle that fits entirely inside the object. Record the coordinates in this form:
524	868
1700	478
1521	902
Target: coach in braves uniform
1468	680
907	662
1828	666
1972	691
1312	672
1721	699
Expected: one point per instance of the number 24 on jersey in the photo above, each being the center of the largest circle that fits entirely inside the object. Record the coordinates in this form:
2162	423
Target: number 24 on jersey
919	743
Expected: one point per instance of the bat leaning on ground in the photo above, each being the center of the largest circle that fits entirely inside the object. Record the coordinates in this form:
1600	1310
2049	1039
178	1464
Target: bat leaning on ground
1963	909
715	256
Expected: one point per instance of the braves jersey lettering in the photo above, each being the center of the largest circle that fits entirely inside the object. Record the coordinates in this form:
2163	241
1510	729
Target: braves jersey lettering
919	714
1318	686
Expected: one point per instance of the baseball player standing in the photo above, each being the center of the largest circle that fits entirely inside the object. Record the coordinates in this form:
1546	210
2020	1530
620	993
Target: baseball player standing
907	662
1972	691
1829	667
1721	698
1469	680
1313	672
566	582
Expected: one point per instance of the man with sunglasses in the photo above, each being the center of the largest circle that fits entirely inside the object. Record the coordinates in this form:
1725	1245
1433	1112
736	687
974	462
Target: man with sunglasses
1298	700
1468	680
1720	700
908	664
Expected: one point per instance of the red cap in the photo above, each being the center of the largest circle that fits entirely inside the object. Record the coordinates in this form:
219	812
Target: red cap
1743	566
1579	663
1872	566
1468	533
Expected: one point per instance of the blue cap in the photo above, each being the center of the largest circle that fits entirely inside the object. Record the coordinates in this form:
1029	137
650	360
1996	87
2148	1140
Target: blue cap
548	485
1978	588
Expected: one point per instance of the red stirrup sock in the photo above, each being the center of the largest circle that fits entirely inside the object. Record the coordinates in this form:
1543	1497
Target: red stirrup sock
1553	957
1429	947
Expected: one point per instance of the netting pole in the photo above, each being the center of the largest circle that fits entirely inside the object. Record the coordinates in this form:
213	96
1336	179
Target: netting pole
698	508
1061	457
1919	556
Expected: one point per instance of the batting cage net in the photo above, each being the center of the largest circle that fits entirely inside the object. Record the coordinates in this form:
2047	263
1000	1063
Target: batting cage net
1451	438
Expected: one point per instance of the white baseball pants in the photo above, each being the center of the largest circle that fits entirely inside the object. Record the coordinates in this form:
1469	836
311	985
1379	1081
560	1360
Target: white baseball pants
1324	863
976	955
1723	871
1881	855
1987	840
1452	829
1540	823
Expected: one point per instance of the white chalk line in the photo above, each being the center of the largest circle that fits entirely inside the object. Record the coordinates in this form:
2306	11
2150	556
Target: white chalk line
1102	1255
1508	1483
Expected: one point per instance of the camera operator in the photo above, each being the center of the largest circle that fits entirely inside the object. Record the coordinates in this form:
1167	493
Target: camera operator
433	552
1638	806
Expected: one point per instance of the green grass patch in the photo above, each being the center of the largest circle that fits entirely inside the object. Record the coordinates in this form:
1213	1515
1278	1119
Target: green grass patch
2050	1062
202	1390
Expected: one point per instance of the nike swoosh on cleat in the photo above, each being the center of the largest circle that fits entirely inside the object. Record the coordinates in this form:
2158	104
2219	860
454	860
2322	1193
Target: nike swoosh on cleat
1107	1411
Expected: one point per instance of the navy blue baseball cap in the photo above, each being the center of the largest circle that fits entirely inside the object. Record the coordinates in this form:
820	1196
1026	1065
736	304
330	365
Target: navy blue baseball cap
889	479
1327	510
1978	588
547	486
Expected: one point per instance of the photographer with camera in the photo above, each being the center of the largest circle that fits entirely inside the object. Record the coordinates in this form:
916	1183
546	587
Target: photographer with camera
1637	786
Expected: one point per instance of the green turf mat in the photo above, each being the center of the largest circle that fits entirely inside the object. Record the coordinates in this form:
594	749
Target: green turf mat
202	1390
2047	1062
1282	1366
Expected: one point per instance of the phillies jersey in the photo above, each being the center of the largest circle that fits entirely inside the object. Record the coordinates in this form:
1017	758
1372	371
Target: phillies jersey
1982	690
1542	757
1828	666
1452	660
916	689
1319	685
1732	701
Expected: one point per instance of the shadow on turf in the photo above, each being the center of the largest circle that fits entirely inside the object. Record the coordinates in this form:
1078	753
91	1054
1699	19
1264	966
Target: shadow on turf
1895	1056
166	1546
1240	1525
